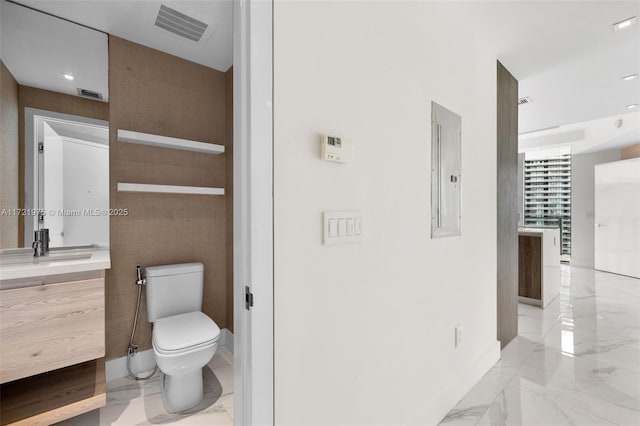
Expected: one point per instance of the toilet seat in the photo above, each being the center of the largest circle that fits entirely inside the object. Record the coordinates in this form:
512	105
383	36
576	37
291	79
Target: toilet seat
184	333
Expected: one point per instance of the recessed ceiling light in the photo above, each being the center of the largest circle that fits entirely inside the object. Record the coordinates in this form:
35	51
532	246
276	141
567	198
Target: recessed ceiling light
632	106
624	24
630	77
68	76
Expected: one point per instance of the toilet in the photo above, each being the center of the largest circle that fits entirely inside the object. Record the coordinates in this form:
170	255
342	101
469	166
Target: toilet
184	338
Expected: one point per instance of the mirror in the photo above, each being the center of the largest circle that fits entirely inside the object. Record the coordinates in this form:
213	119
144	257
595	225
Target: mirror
54	136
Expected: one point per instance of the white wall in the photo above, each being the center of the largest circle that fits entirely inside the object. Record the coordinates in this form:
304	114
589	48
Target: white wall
583	204
53	195
617	201
86	187
76	178
364	332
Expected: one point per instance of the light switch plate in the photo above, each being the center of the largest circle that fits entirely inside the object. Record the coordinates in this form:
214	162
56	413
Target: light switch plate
348	224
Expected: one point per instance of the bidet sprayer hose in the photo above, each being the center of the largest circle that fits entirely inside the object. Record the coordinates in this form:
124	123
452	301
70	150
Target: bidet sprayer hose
135	318
132	348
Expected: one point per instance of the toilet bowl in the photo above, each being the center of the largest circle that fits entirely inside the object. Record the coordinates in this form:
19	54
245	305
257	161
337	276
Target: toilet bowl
184	338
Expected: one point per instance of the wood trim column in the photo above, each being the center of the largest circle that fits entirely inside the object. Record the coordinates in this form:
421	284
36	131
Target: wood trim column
507	226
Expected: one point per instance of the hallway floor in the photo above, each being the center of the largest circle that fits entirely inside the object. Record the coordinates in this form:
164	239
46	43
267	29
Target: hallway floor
140	403
577	362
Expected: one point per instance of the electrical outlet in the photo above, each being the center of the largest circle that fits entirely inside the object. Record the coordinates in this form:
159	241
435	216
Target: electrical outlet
458	335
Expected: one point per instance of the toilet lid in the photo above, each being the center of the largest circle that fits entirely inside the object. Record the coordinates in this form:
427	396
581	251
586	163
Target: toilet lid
183	331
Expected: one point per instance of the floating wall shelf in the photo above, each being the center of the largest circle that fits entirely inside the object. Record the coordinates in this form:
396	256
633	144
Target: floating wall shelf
169	189
166	142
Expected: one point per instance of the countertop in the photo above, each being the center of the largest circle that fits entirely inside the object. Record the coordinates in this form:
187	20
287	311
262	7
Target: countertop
535	232
24	265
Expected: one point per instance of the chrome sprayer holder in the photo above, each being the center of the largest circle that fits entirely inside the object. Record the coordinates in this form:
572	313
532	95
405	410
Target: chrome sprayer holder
140	280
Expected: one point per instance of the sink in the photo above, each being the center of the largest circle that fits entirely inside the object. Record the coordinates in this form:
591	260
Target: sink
70	248
28	258
21	265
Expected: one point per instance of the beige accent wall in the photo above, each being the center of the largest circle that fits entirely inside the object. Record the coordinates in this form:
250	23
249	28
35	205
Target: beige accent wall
632	151
8	157
153	92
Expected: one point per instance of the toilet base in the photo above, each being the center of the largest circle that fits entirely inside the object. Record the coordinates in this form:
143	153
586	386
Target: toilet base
181	392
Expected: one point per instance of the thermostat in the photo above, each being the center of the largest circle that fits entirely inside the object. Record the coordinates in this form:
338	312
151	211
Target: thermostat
334	148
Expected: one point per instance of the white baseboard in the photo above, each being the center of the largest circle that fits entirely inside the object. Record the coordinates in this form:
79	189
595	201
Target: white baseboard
140	362
529	301
144	361
582	264
442	403
226	339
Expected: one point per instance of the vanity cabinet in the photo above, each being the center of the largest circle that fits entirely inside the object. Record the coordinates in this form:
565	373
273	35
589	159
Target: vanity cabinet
50	326
52	346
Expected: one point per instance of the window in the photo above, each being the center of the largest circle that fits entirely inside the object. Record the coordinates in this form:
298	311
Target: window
547	195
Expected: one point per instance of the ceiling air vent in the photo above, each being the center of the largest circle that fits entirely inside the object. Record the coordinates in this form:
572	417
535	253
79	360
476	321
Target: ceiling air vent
525	100
180	24
89	94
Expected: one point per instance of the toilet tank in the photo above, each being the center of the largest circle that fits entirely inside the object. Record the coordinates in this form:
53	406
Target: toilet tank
173	289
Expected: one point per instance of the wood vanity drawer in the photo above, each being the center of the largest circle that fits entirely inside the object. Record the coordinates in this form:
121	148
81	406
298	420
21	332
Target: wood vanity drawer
50	326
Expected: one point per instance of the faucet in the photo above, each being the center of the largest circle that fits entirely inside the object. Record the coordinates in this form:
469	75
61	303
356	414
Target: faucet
40	242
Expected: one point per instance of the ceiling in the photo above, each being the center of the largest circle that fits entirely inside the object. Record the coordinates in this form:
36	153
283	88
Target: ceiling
613	132
86	132
37	49
565	55
134	20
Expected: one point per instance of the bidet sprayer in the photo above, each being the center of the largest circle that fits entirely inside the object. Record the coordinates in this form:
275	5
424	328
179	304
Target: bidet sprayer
140	280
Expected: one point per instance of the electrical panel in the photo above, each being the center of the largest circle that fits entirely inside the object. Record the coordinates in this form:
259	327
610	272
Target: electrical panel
446	173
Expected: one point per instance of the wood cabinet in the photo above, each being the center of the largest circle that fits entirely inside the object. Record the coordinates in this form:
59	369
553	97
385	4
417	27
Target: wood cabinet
54	396
538	265
52	347
530	267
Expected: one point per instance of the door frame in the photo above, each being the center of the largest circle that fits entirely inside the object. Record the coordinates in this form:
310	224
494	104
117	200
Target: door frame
253	211
33	179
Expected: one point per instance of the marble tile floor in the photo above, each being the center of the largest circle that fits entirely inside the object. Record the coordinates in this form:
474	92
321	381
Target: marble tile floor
577	362
132	403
